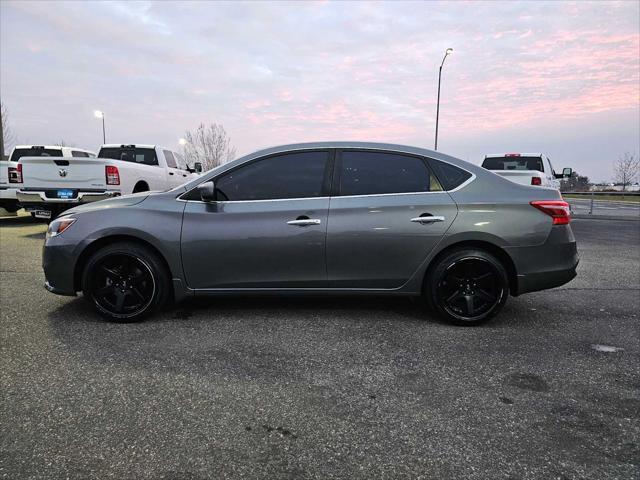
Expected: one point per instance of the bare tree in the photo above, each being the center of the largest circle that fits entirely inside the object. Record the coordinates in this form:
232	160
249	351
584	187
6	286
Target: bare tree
209	145
626	169
7	138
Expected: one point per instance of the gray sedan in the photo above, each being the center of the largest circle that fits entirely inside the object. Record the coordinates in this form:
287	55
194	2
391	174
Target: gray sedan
319	219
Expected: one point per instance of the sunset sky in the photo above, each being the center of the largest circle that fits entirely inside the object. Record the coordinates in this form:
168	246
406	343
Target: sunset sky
559	78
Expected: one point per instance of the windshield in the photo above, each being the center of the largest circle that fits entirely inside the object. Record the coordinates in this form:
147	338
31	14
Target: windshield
513	163
18	153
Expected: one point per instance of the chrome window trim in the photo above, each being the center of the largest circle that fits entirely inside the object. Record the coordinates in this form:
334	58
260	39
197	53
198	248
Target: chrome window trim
459	187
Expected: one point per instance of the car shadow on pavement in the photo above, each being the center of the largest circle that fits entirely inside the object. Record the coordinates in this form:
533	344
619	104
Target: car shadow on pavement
19	221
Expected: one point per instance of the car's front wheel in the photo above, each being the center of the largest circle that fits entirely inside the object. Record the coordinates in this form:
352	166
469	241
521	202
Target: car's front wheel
467	286
126	282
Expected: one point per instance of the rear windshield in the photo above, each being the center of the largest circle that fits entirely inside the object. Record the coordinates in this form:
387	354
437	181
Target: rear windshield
513	163
18	153
146	156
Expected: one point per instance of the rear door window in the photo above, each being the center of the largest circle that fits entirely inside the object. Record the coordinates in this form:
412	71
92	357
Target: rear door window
449	175
145	156
18	153
76	153
513	163
374	173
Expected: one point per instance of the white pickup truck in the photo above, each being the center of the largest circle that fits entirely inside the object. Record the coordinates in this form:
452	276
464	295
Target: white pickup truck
52	185
525	168
11	173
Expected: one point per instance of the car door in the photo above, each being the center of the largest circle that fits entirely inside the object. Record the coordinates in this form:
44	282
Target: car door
174	173
552	181
387	213
266	229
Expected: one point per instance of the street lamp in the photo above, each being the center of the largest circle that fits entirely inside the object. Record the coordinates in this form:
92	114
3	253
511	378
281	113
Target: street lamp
99	114
182	142
446	54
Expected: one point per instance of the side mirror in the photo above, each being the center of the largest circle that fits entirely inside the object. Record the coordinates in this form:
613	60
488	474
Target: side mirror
207	191
566	172
197	167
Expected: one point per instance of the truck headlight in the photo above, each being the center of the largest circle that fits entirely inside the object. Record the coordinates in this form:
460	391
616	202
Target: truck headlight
58	226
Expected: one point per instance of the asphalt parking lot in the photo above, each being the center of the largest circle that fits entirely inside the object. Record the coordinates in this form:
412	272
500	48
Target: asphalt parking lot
324	388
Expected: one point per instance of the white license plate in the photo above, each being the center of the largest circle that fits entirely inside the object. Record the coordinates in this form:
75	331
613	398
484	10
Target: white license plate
42	214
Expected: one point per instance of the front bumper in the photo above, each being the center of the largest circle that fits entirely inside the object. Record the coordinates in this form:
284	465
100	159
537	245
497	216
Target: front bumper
58	263
40	196
545	266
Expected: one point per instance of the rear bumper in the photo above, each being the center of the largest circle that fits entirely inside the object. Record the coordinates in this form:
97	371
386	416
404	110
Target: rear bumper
8	193
40	197
548	265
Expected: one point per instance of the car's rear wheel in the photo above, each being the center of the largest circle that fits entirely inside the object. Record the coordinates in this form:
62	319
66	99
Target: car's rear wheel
467	286
126	282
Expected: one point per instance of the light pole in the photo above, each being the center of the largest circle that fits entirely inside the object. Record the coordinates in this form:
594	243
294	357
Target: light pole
446	54
99	114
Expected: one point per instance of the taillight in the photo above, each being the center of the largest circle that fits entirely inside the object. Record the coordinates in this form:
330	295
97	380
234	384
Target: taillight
536	181
15	174
558	210
112	174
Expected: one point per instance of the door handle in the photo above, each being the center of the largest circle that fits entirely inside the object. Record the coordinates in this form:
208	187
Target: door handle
303	222
428	219
170	173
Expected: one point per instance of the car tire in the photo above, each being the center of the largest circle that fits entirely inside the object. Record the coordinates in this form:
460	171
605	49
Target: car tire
467	286
126	282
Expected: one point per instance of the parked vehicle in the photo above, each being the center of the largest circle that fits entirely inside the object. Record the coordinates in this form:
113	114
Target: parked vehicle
52	185
319	218
525	168
11	173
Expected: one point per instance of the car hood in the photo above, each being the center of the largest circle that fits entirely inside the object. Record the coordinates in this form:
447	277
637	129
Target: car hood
124	201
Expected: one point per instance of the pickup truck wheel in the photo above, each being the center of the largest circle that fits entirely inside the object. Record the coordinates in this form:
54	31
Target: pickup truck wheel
467	286
11	207
126	282
140	187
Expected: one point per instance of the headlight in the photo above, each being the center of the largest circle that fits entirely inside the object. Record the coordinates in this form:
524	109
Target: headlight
58	226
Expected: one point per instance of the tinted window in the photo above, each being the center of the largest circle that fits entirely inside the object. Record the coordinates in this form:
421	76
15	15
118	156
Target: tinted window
450	176
146	156
76	153
293	175
18	153
367	173
168	156
513	163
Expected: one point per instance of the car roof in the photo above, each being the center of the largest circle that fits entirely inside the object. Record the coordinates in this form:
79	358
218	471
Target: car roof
514	154
51	147
399	148
135	145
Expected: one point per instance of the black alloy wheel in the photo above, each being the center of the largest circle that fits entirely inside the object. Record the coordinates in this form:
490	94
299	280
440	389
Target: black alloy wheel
468	287
125	282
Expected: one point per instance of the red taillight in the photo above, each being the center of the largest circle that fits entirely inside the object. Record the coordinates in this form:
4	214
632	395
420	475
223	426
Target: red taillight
556	209
536	181
15	174
112	174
